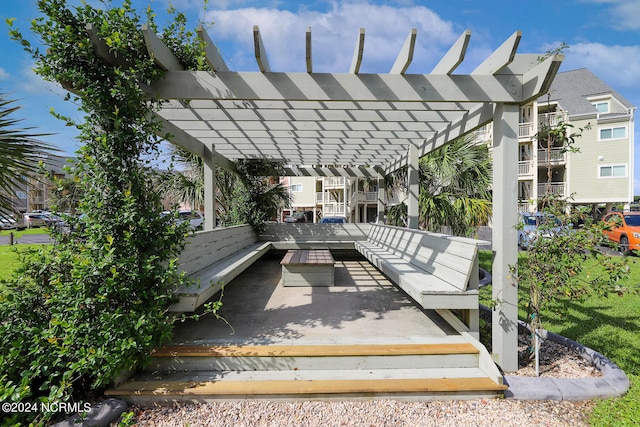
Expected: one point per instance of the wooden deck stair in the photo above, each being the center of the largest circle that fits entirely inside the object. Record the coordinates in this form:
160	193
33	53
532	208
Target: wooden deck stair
407	371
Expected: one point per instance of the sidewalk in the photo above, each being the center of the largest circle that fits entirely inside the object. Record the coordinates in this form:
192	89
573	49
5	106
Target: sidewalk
26	239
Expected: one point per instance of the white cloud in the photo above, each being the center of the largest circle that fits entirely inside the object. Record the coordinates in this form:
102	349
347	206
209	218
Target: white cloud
617	65
3	74
334	35
624	12
33	83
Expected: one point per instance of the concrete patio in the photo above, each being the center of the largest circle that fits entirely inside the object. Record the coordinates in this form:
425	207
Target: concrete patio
362	307
360	339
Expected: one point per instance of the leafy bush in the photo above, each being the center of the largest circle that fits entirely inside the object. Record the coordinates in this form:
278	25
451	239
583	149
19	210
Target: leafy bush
94	305
564	260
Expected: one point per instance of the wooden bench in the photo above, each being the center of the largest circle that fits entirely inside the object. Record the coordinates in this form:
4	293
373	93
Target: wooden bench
314	236
308	268
439	272
212	259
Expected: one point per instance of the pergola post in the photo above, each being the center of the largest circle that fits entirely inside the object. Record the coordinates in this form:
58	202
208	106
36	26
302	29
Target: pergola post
413	185
381	198
210	189
505	236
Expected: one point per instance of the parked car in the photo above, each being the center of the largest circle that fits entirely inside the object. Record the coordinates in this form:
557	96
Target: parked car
290	219
536	225
195	219
7	223
35	219
624	229
333	220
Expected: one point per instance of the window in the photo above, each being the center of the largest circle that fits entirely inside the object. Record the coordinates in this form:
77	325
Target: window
612	133
296	188
613	171
601	106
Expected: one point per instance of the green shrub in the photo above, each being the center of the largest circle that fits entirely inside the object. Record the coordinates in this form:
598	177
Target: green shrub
96	303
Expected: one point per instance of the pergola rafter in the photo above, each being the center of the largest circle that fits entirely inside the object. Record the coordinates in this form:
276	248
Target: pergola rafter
357	125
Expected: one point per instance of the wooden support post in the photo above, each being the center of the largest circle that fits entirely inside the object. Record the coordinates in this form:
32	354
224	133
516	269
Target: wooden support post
209	187
413	184
381	198
505	236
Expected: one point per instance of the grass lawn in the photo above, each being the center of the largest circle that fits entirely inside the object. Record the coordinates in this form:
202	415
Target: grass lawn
28	231
9	259
611	326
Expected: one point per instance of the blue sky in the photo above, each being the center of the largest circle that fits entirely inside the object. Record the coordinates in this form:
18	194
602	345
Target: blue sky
603	35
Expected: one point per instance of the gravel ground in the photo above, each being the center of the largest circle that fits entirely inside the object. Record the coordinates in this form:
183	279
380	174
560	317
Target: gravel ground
252	413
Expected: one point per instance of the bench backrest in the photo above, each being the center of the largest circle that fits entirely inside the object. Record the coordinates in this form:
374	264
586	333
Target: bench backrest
450	258
207	247
314	232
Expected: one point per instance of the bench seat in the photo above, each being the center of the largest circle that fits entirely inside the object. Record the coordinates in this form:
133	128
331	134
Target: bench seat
212	259
428	290
206	282
437	271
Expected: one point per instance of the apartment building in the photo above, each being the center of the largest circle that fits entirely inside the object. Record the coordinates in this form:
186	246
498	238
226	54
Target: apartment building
356	199
36	194
600	172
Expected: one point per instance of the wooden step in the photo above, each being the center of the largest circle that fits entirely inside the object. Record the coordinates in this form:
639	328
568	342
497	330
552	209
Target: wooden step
315	350
308	357
301	383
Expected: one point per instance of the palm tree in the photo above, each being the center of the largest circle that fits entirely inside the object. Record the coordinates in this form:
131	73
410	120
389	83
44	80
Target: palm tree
20	153
244	198
455	182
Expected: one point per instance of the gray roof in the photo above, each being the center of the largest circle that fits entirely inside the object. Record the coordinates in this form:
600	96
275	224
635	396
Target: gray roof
572	88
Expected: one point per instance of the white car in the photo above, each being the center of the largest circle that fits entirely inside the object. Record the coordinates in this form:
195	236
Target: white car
195	219
7	223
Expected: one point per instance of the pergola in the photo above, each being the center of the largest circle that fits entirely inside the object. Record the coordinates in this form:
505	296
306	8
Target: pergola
359	125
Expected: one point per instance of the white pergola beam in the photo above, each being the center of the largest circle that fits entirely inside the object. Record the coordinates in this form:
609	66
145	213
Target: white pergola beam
454	56
292	87
357	53
406	54
260	52
538	80
212	54
308	56
100	46
159	51
179	137
477	117
501	57
348	172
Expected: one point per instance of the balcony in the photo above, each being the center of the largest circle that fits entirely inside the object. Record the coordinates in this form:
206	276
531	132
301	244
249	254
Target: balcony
526	206
551	119
525	168
365	197
333	209
526	130
555	188
333	182
555	156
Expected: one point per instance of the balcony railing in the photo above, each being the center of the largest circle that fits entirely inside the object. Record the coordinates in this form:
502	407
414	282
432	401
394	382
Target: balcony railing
366	197
333	181
550	119
526	130
525	206
555	156
525	168
555	188
333	209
